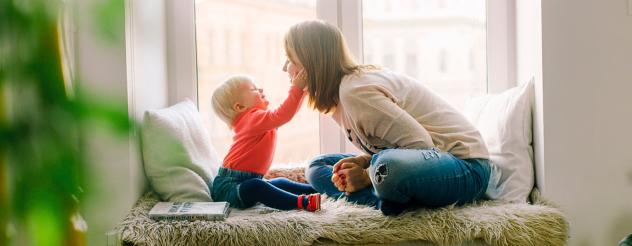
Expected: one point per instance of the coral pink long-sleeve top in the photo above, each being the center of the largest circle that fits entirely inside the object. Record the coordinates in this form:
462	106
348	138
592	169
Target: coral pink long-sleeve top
255	134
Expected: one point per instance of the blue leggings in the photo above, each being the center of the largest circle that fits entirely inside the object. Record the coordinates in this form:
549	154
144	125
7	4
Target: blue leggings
279	193
244	189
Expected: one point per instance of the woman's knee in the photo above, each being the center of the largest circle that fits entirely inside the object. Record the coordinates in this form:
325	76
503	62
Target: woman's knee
321	166
387	166
313	166
408	156
392	190
389	173
325	160
389	156
387	185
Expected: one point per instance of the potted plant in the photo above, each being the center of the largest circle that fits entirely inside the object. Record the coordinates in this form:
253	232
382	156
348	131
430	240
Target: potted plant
42	166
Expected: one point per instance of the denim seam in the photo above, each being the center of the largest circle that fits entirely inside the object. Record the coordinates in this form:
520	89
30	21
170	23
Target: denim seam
425	180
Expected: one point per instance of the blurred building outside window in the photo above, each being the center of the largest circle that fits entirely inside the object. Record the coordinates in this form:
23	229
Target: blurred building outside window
441	43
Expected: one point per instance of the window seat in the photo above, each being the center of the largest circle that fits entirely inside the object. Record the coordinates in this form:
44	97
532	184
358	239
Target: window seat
483	223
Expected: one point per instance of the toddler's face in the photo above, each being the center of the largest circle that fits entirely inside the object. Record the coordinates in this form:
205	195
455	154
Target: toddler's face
251	96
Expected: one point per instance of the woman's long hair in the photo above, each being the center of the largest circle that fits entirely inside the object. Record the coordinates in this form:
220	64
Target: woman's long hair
323	51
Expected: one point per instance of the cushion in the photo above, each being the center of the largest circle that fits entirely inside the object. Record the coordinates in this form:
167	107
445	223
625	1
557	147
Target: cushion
340	222
178	158
504	121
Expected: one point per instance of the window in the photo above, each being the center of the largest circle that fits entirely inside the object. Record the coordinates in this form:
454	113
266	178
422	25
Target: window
252	44
422	30
442	62
455	33
411	65
389	61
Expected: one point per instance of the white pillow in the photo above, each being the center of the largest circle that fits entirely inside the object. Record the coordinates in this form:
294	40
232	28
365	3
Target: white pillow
504	121
179	161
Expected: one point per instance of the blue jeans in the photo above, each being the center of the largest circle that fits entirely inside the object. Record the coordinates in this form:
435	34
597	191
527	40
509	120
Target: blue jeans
244	189
405	178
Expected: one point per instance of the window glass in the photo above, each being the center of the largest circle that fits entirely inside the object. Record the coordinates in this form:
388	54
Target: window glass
246	37
441	43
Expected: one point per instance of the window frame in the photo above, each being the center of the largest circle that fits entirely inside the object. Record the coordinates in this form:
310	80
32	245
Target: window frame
347	15
181	51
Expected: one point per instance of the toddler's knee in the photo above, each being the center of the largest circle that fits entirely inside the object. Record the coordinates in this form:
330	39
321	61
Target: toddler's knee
251	185
280	179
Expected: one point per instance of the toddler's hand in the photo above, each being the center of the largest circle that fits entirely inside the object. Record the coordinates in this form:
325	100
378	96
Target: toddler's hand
300	79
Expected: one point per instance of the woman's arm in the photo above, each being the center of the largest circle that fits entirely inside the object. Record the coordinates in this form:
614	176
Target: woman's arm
376	115
362	160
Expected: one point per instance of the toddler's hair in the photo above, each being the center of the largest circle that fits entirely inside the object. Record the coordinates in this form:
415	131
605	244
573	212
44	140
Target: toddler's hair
225	96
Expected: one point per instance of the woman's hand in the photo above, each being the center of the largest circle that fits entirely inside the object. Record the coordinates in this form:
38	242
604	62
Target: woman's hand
349	174
299	79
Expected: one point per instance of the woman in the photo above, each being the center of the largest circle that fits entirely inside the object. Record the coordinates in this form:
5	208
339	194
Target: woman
418	150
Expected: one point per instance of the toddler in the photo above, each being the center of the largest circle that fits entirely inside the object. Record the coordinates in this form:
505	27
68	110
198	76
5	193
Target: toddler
243	106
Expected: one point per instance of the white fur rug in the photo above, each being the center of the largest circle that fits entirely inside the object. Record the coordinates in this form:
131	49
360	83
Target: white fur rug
341	222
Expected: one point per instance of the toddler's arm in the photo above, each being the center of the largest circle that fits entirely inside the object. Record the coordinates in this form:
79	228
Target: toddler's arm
271	119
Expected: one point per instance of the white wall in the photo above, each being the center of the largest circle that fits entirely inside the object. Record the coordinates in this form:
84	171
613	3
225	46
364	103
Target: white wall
130	71
587	117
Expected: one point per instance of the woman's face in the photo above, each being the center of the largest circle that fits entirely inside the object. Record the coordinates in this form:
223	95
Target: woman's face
292	65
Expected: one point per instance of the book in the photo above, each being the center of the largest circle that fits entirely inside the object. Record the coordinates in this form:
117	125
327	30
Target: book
190	211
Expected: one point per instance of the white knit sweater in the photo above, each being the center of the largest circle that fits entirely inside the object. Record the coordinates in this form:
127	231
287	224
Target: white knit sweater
383	110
